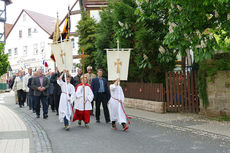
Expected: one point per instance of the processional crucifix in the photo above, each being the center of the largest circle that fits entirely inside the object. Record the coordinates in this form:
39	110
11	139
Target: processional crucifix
82	56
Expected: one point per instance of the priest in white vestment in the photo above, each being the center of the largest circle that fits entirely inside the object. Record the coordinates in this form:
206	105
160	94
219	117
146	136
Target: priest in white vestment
117	112
83	108
66	100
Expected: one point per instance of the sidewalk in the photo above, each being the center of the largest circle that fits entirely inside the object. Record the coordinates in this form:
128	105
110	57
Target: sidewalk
183	120
19	130
14	137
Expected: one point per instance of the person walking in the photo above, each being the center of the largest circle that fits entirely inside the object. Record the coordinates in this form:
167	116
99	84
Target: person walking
14	89
51	92
116	106
40	84
31	92
66	100
90	76
101	95
84	97
57	89
77	78
27	77
19	86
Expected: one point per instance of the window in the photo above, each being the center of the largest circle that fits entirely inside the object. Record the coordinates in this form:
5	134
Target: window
9	52
42	45
20	33
73	43
35	49
35	30
29	32
15	51
25	50
24	17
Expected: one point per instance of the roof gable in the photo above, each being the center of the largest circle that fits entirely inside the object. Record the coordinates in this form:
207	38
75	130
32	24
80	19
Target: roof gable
45	22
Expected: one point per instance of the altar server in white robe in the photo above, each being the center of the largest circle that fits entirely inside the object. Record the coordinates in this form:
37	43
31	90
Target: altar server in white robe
83	108
66	100
117	112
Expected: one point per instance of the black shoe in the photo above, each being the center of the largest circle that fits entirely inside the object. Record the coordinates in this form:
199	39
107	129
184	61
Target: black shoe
38	116
57	114
45	116
20	106
53	110
34	111
97	121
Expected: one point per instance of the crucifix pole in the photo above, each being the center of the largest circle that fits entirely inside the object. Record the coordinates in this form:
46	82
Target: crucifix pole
83	71
118	69
82	56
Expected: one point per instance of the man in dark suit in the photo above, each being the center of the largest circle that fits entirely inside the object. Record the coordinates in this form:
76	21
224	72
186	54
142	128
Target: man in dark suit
57	89
40	84
101	95
31	91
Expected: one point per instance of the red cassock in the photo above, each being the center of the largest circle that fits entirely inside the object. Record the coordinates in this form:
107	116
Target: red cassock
83	112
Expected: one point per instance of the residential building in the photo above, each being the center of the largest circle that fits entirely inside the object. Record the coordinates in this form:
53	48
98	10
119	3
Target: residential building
28	43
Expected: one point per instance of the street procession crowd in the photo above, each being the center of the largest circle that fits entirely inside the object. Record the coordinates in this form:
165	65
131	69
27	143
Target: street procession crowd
72	98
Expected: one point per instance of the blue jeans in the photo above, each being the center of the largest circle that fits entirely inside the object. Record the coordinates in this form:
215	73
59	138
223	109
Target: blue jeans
66	122
44	101
32	102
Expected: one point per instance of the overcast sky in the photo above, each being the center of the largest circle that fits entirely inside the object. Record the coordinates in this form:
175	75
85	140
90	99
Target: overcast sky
47	7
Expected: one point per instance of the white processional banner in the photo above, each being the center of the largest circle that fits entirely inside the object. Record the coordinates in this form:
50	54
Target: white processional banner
63	55
118	64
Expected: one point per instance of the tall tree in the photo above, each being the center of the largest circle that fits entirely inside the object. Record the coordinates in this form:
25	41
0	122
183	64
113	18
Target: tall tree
123	22
195	25
4	63
86	33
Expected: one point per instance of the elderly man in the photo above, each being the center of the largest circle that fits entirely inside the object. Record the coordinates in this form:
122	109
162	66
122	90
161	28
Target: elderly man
77	78
40	85
19	86
90	76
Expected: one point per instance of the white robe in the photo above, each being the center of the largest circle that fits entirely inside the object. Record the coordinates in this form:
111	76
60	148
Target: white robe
79	98
65	108
116	111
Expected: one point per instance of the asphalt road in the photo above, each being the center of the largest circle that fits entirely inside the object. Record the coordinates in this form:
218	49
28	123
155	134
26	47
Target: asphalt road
142	137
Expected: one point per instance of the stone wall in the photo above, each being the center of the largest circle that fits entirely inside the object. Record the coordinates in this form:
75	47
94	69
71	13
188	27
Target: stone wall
218	91
152	106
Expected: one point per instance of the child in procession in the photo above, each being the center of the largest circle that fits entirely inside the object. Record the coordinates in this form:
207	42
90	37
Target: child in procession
83	105
66	99
117	112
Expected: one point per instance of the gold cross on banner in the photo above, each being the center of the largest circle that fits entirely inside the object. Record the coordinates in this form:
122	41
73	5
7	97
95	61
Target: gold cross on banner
62	54
117	64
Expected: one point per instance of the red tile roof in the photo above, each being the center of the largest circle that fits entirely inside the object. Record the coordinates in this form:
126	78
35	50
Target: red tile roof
8	28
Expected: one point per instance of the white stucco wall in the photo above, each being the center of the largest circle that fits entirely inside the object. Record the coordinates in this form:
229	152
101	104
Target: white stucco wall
38	36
